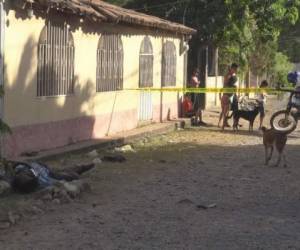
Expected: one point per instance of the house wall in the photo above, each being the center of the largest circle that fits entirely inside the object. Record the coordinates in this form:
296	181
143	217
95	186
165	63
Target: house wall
213	99
43	123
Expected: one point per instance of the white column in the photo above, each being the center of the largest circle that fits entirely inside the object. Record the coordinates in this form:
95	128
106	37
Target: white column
2	33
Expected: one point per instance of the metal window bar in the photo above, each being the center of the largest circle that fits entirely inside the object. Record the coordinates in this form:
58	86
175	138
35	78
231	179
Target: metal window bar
109	76
169	64
146	64
55	61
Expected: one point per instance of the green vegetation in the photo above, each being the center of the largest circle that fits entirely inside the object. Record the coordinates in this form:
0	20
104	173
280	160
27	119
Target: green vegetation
246	31
280	68
290	42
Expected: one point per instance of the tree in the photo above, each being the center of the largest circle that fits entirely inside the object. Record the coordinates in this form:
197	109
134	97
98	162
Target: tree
246	31
280	68
254	29
289	42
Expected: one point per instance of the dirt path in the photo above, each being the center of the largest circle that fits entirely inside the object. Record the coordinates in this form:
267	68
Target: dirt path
156	199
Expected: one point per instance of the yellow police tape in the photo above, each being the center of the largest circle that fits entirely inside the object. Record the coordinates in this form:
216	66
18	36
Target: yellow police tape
215	90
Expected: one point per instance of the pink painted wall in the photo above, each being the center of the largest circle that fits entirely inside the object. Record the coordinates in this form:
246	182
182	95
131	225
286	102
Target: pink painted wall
60	133
168	109
51	135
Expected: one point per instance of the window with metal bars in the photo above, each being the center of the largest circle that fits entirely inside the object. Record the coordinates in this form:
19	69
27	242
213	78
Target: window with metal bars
146	64
168	70
55	74
109	76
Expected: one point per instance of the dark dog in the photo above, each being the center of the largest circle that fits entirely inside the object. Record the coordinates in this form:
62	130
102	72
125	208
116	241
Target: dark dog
272	138
247	115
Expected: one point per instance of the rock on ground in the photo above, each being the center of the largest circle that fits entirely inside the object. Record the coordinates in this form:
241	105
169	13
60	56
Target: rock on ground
4	187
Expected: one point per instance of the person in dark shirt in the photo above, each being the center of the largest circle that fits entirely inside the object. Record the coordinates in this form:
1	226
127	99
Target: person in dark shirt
25	177
230	80
195	83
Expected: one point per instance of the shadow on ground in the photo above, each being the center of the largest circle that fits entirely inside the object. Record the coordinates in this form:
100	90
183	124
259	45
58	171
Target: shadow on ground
155	200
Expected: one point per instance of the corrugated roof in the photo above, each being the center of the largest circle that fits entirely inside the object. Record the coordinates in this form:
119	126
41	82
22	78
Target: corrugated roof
100	11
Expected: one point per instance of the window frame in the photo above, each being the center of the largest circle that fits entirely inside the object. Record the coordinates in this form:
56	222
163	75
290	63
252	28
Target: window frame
146	61
168	65
110	63
55	62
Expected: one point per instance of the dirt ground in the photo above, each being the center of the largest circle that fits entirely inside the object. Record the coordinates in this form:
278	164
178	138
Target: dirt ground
193	189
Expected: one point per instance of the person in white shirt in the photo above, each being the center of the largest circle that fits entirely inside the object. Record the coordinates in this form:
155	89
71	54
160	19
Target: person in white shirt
262	99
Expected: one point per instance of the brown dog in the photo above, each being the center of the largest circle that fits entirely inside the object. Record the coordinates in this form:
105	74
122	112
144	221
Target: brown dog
272	138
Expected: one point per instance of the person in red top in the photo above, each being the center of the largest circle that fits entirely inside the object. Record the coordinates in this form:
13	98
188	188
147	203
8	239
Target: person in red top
187	106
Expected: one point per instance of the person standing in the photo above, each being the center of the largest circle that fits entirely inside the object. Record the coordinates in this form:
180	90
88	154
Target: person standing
195	97
261	99
230	80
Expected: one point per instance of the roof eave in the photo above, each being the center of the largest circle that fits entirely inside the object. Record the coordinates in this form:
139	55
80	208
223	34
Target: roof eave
99	11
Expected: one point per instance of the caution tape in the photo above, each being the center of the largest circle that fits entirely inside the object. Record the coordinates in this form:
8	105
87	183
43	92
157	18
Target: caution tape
215	90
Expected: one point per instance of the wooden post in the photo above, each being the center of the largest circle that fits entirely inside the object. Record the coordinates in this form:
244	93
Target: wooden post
206	75
198	57
161	81
216	58
206	64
